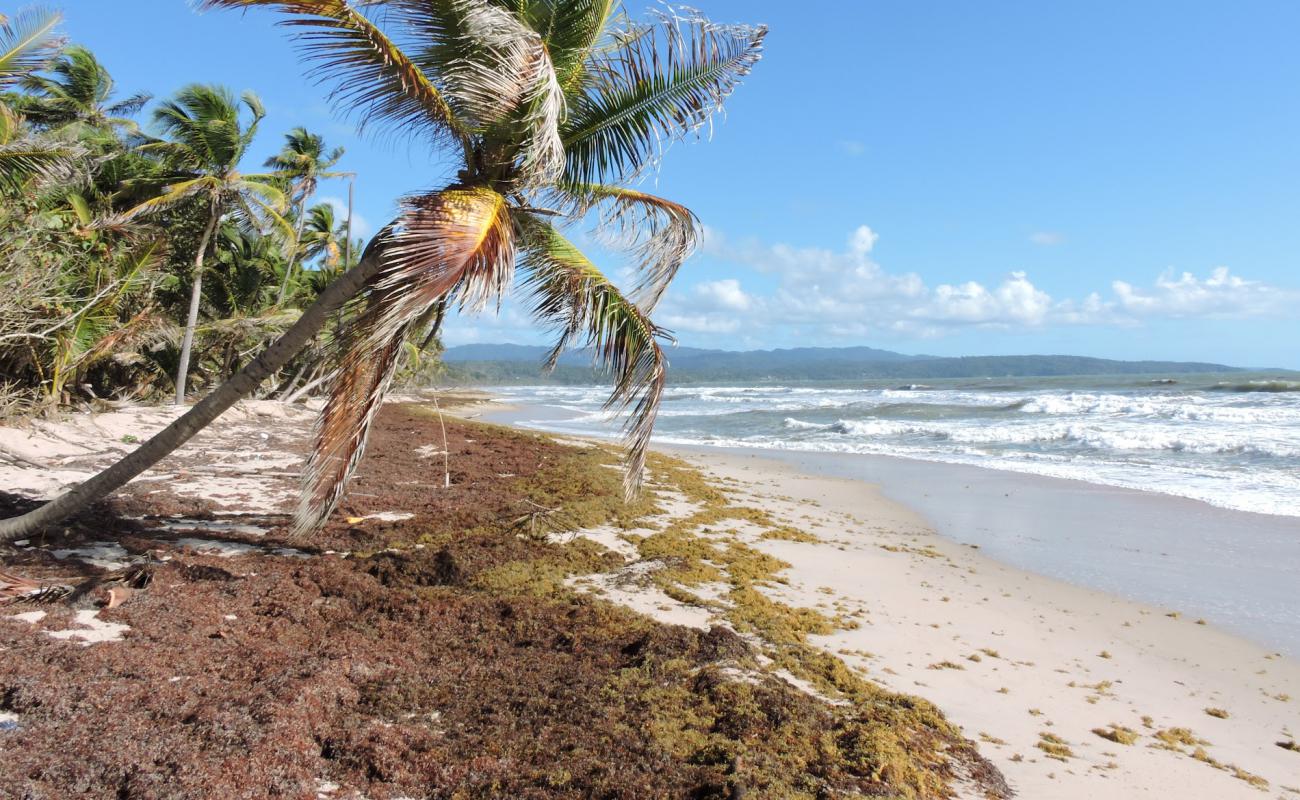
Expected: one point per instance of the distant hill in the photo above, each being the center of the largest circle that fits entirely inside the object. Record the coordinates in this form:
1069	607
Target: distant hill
512	363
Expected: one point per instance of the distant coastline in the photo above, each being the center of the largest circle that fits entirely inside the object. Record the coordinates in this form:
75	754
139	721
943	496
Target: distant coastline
506	364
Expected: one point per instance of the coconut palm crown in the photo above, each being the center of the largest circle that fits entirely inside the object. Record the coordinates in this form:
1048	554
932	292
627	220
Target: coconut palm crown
303	161
551	108
77	89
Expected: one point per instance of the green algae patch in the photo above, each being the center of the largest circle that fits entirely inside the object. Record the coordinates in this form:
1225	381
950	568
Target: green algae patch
1054	746
1118	734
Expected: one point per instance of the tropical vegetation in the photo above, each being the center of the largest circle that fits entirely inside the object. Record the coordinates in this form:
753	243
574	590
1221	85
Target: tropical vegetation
552	108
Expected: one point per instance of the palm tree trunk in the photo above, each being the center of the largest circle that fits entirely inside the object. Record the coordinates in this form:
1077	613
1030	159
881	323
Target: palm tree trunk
196	294
204	412
297	248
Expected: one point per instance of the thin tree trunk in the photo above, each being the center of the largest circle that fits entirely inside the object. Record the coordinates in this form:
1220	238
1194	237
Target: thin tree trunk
440	311
204	412
196	294
297	248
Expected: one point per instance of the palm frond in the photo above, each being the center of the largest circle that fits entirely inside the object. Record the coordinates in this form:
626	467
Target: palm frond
202	123
172	195
505	70
662	233
570	293
27	42
572	33
455	242
370	74
658	84
34	158
130	106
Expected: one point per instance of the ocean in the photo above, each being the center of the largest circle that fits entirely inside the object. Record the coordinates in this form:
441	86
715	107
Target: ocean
1231	440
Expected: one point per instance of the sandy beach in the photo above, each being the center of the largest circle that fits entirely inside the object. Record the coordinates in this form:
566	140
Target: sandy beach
1069	692
1012	656
1020	660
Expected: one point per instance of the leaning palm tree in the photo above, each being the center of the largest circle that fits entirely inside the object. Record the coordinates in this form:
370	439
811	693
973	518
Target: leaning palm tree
206	141
551	107
303	161
76	88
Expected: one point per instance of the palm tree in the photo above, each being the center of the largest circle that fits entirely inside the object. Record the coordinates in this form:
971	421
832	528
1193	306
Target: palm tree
551	107
303	161
323	237
78	89
207	141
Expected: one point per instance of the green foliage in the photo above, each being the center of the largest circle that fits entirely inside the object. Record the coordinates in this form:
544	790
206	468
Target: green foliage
99	224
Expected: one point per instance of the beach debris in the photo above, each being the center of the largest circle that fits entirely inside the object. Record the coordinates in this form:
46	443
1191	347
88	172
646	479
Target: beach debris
17	589
382	516
539	521
8	721
214	526
1217	713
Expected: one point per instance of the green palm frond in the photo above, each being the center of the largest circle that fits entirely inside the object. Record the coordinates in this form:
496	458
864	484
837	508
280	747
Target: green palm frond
570	293
31	158
661	233
172	195
370	74
77	89
659	84
27	42
202	124
572	31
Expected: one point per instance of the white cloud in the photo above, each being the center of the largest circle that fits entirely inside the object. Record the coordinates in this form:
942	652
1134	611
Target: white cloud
862	241
725	294
700	323
1046	238
1220	295
361	226
1016	300
824	294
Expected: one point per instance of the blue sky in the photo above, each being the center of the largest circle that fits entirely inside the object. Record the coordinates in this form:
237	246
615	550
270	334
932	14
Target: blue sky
1113	179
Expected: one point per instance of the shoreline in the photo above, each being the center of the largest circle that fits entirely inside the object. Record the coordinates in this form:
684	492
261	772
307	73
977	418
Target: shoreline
1011	656
1178	564
1032	666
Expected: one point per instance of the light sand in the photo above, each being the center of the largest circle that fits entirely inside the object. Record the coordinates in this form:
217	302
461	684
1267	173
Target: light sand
238	462
1052	658
1010	656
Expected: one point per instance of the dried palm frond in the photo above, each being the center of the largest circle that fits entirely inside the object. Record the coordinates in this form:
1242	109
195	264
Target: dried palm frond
17	589
539	521
457	242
